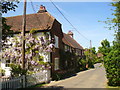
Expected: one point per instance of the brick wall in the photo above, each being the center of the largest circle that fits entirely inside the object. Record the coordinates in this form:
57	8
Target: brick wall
56	30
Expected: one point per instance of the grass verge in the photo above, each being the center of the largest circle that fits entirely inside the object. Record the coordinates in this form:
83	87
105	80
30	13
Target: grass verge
37	85
113	86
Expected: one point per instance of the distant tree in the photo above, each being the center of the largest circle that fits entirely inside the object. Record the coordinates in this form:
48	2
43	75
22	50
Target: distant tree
93	50
90	55
105	48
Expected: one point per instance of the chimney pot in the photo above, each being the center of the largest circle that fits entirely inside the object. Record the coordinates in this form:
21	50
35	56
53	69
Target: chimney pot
42	9
70	33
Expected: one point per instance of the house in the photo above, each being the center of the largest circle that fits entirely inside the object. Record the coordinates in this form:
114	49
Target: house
70	44
73	49
41	22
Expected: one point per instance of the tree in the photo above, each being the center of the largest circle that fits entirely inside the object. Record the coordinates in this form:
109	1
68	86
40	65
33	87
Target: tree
93	50
105	48
113	58
112	53
6	32
90	55
7	6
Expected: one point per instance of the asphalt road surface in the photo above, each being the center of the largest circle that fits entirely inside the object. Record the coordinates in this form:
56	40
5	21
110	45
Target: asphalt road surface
93	78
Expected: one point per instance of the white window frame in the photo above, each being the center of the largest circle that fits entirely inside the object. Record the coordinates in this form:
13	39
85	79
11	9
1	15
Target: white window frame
56	64
56	41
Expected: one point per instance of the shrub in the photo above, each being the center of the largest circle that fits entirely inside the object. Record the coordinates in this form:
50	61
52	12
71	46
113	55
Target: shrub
112	65
2	71
16	70
82	64
57	76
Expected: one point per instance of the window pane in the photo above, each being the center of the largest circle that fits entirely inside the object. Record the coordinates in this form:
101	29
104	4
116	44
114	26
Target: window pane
56	42
56	67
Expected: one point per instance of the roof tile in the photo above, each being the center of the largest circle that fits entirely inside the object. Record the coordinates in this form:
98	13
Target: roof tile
37	21
70	41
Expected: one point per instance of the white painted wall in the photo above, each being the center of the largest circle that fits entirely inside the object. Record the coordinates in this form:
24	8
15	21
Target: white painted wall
44	54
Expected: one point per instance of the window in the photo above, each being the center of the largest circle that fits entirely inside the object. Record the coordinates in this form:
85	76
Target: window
56	42
7	63
56	66
65	47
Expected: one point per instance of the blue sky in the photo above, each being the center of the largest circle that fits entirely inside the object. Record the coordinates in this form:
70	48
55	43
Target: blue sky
83	15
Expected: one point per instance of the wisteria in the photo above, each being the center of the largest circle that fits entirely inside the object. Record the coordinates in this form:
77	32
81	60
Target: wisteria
34	46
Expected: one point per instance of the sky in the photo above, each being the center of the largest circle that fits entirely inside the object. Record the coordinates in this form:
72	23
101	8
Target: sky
85	17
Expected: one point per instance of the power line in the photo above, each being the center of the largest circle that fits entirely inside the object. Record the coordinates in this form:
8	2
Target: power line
35	12
62	15
47	25
68	20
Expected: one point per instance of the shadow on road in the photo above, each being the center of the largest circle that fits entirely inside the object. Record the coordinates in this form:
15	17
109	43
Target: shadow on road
73	74
69	76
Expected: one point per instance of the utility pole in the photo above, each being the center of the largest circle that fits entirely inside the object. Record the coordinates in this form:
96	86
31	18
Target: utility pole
90	44
23	35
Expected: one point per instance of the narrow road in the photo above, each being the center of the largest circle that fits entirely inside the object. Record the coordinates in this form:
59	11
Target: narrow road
93	78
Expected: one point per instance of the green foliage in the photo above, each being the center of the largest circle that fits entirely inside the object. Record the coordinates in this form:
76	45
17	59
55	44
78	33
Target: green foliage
32	31
93	50
99	60
16	70
8	5
111	54
82	64
90	56
2	71
68	57
30	72
112	65
105	48
57	76
6	32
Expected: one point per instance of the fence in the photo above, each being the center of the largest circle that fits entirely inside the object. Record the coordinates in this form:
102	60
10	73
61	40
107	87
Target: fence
25	81
13	83
40	77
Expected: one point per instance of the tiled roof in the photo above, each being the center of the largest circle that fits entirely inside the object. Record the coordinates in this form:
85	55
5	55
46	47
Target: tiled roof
70	41
37	21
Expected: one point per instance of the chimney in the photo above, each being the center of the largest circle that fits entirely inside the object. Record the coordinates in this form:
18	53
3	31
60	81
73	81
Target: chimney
42	9
70	34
